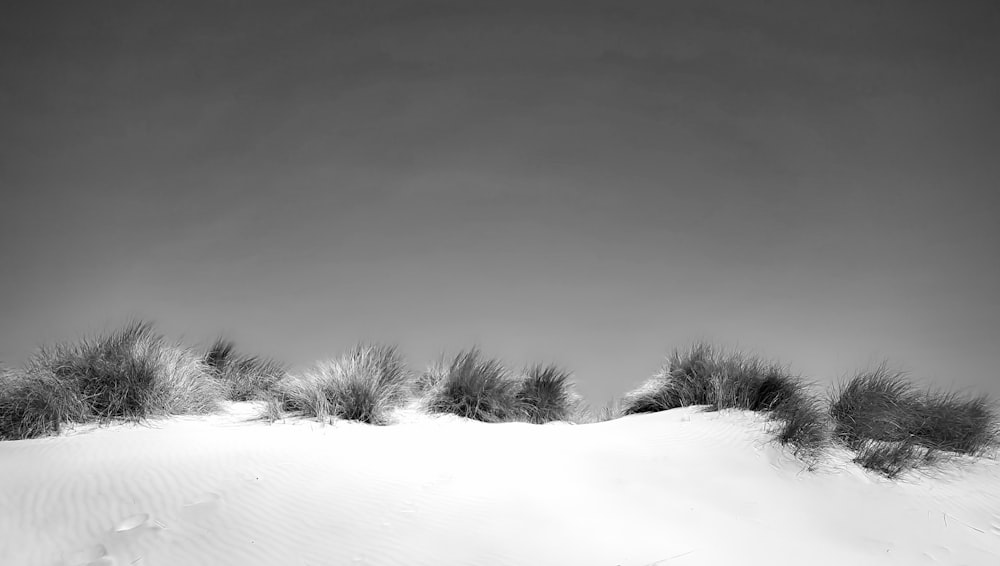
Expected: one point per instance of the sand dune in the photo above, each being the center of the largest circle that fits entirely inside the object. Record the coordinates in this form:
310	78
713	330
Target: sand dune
680	488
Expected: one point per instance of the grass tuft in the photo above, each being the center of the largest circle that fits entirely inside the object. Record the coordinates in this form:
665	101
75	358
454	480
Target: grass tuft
545	394
36	403
952	423
801	422
248	377
428	379
894	428
685	379
705	375
476	387
609	412
131	373
877	404
888	458
364	385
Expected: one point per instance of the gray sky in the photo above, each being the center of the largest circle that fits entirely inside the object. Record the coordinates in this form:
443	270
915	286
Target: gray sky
579	182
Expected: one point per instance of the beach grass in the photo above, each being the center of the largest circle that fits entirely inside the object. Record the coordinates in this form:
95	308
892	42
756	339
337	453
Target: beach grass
364	384
545	394
477	387
248	377
131	373
892	426
707	375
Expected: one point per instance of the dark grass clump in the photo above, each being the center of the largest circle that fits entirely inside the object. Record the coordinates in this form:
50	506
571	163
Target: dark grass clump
364	385
889	458
131	373
894	428
706	376
248	378
476	387
35	404
952	423
545	394
802	423
686	379
746	382
878	404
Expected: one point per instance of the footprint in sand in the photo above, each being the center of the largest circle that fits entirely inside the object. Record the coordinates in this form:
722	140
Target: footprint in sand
140	523
132	523
202	506
87	556
207	498
938	554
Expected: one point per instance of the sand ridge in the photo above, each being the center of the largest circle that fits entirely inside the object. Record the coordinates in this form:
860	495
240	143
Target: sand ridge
680	487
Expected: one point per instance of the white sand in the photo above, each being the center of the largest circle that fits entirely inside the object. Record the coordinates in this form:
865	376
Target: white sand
675	488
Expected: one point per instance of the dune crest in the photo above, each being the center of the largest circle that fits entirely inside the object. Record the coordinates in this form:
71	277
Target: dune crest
681	487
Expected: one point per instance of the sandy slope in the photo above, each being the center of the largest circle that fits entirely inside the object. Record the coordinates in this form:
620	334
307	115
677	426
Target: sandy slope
678	488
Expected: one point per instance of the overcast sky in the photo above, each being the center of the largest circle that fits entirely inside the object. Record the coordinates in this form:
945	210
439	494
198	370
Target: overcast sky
589	183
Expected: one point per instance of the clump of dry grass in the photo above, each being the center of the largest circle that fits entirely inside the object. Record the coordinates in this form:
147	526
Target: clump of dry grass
953	423
609	412
802	423
131	373
248	377
428	379
34	404
705	375
878	404
476	387
892	458
545	393
893	427
685	379
364	385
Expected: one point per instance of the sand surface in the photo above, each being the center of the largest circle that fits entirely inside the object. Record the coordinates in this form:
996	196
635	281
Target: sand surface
677	488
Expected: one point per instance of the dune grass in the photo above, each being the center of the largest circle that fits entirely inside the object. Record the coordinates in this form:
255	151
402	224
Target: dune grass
685	379
544	393
801	422
248	377
891	458
878	404
609	412
893	427
365	384
131	373
476	387
953	423
706	375
35	404
428	379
